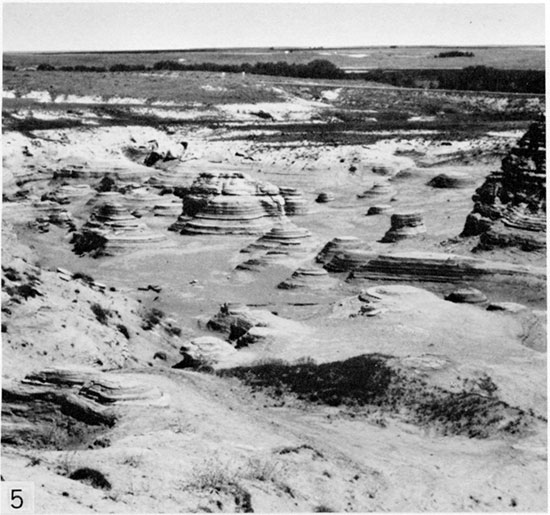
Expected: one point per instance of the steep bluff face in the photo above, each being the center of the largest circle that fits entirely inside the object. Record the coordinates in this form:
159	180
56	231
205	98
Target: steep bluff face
510	206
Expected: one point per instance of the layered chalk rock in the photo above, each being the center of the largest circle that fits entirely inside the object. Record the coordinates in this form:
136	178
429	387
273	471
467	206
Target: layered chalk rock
405	225
325	196
57	399
510	206
209	350
379	189
229	203
309	277
115	169
112	229
284	236
269	258
380	209
295	203
438	267
68	192
244	326
337	246
349	260
453	180
467	296
52	212
167	205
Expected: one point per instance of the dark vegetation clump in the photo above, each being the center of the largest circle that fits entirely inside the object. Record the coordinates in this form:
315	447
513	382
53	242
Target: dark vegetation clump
102	314
88	242
88	279
370	381
106	184
123	330
152	318
316	69
472	78
454	53
91	477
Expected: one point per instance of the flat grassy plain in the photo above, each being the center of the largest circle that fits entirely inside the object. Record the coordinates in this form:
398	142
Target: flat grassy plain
360	58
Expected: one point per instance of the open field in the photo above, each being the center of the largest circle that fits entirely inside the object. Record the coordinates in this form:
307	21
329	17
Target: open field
178	335
353	59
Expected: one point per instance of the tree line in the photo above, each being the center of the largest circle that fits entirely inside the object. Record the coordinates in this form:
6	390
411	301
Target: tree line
473	78
317	69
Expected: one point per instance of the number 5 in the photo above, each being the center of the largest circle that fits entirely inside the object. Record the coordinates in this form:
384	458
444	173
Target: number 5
16	497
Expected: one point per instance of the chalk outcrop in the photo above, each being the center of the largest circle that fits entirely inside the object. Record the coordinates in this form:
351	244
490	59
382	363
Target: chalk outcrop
379	189
467	296
284	236
405	225
295	203
309	277
112	229
438	267
229	203
452	180
349	260
337	246
510	206
380	209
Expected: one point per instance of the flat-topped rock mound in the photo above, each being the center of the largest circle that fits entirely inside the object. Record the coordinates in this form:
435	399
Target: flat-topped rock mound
244	326
452	180
337	246
309	277
109	389
66	193
379	189
405	225
349	260
167	205
229	203
514	195
380	209
284	236
49	211
115	169
268	258
295	203
437	267
111	229
467	296
325	196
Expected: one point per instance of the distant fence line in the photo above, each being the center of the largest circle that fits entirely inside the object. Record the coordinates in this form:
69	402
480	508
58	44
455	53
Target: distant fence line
471	78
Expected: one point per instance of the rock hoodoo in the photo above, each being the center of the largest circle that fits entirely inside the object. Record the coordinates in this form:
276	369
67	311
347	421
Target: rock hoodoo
112	229
295	203
324	197
285	235
379	189
380	209
510	206
337	246
454	180
405	225
229	203
310	277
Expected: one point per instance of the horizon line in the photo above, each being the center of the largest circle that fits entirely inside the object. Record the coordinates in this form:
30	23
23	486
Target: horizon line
317	47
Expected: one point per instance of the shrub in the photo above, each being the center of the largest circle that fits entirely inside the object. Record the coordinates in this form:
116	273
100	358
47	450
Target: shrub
124	330
100	313
91	477
88	279
152	318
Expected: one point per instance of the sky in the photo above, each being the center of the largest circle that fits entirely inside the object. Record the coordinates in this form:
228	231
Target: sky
73	26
